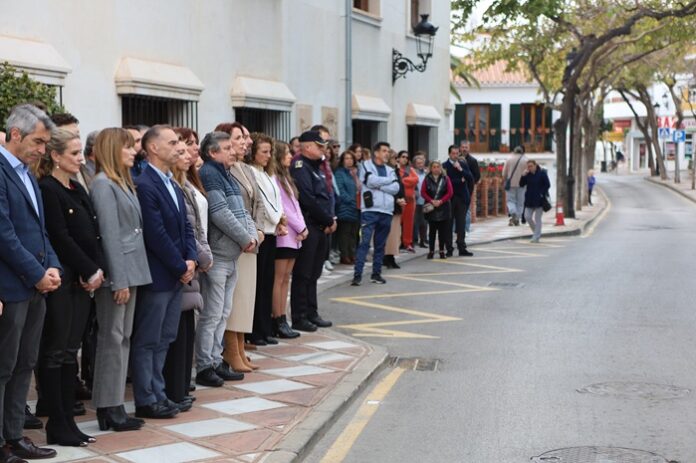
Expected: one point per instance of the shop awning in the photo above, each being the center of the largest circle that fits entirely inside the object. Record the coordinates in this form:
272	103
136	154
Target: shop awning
248	92
421	114
39	59
151	78
370	108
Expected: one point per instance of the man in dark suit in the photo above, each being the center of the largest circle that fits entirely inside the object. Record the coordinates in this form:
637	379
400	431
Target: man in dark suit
171	254
29	269
463	184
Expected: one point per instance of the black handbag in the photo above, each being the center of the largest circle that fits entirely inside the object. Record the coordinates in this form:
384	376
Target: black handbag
545	203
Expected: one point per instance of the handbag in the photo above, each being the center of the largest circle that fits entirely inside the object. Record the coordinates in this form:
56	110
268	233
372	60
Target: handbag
428	207
545	203
507	180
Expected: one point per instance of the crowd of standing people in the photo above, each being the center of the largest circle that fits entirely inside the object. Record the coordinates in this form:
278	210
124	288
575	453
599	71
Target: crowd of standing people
163	258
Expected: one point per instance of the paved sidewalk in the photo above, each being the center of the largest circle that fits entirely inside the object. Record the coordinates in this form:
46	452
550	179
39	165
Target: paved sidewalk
269	417
683	188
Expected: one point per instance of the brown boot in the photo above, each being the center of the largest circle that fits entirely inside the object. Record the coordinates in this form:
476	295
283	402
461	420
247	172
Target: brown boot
231	352
242	354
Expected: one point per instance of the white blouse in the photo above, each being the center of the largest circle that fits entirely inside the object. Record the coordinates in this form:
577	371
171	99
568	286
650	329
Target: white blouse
202	204
271	201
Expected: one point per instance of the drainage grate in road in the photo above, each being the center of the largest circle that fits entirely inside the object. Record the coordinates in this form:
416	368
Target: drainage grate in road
600	455
505	284
414	363
632	390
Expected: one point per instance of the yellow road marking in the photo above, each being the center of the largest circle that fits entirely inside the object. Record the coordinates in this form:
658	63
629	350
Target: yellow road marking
345	441
493	268
439	282
416	293
603	214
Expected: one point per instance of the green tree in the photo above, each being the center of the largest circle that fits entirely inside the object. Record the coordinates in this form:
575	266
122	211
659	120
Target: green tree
17	87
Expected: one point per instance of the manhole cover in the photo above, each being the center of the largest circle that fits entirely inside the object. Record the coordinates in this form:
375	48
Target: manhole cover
416	364
599	455
505	284
632	390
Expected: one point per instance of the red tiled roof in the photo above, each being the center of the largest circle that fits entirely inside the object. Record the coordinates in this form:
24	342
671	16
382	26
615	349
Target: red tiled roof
497	74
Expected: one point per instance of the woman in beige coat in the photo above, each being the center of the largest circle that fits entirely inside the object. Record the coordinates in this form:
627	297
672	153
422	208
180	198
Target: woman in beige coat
241	319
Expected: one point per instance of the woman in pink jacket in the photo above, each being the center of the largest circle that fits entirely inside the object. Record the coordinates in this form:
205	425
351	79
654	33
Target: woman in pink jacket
287	246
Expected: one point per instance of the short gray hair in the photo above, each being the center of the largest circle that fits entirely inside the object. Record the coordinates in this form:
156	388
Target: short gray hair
25	117
211	143
89	142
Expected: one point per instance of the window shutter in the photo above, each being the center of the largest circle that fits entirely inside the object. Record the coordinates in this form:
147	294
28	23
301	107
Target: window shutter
515	122
459	123
548	116
495	124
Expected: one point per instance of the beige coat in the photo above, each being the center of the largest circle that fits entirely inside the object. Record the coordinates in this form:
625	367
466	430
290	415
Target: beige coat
517	174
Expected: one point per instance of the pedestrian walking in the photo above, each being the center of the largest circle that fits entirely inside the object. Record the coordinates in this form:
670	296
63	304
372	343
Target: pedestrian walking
29	269
317	206
171	252
437	191
462	184
231	234
380	186
537	182
512	172
409	178
347	207
127	270
73	231
287	246
591	180
391	249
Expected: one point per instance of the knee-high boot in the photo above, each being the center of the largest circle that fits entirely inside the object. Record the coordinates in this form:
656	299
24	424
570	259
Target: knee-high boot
231	353
58	429
242	354
68	373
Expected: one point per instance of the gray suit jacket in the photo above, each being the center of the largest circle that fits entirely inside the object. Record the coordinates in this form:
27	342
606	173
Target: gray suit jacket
121	227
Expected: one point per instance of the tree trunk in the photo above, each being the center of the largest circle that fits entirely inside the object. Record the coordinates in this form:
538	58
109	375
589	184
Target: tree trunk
642	126
680	118
652	125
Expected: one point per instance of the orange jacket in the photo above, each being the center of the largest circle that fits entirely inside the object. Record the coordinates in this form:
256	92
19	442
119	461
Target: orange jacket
410	181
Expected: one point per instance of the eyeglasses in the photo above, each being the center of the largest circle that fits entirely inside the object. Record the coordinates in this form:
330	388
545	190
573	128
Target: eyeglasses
335	146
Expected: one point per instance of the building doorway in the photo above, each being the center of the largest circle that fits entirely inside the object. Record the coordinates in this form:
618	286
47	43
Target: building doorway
478	127
419	139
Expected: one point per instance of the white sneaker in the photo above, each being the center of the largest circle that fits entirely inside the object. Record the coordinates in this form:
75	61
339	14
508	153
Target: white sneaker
328	266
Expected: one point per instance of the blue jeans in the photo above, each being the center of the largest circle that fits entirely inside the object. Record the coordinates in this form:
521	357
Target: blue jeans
376	223
155	326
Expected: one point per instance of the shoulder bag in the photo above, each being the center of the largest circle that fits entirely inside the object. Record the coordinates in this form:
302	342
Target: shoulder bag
507	180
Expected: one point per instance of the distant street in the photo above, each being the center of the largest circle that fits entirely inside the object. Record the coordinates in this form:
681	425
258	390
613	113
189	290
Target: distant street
578	341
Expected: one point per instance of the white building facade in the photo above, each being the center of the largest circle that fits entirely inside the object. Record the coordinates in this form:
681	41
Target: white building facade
278	66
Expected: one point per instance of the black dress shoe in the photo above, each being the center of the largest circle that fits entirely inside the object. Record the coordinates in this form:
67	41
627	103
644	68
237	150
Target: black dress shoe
271	340
156	411
25	448
117	419
465	253
282	329
8	457
190	398
450	253
258	341
228	374
304	325
209	378
320	322
183	406
30	421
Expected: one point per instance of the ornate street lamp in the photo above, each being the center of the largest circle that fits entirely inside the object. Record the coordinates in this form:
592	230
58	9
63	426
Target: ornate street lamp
425	36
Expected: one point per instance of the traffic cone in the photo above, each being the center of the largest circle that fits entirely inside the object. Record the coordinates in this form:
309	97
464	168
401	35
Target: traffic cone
559	216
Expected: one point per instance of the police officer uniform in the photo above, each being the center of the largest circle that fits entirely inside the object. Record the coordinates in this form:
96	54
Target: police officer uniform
318	210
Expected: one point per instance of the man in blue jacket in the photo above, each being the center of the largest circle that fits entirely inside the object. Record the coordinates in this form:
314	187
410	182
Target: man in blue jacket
29	269
171	254
380	185
462	184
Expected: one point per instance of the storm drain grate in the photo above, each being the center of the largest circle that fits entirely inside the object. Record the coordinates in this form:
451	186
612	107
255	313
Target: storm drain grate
633	390
600	455
505	284
414	363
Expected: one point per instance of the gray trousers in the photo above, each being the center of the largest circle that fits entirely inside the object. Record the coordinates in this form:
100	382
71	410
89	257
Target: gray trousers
217	288
533	217
515	200
21	324
113	346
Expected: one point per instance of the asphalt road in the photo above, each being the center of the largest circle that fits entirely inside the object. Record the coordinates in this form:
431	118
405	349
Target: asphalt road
614	307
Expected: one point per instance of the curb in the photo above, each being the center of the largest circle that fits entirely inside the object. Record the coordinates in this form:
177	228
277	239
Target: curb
671	187
301	439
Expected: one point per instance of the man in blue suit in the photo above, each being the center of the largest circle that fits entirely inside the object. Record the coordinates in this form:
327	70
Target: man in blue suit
29	269
171	254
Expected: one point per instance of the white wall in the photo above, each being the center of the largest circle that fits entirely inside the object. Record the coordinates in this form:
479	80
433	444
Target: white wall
299	42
